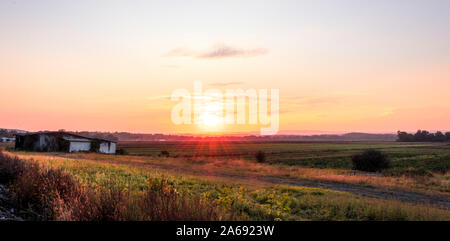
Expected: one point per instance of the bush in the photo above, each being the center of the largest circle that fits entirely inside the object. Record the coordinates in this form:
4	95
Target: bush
45	194
370	161
9	148
260	157
95	146
10	168
121	152
164	154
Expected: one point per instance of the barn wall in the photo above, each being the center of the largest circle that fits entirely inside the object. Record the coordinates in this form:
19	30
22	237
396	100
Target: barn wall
107	147
79	146
51	143
55	143
31	143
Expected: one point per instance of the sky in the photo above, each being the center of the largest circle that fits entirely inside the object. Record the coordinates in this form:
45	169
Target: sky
339	66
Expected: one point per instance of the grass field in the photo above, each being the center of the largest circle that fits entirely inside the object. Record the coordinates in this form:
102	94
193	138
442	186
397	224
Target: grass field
228	175
430	157
422	166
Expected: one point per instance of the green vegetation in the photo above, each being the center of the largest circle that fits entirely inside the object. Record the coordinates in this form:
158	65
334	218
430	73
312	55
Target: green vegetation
95	145
164	154
414	167
44	193
299	203
421	135
121	152
260	157
126	192
370	161
430	157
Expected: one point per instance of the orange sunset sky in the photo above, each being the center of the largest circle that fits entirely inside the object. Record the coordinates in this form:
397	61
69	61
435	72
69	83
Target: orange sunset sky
340	66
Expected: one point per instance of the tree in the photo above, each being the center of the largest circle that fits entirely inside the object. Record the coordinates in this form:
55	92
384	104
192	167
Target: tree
422	136
447	136
439	136
403	136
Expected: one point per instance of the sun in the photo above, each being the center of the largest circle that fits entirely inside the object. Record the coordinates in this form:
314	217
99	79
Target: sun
211	117
210	120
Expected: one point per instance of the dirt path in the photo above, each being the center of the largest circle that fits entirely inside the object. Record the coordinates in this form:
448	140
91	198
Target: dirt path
441	201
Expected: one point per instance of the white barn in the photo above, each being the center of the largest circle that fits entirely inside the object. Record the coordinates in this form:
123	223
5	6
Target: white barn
63	141
78	144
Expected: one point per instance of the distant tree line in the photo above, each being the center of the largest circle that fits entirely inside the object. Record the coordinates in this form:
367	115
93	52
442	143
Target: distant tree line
421	135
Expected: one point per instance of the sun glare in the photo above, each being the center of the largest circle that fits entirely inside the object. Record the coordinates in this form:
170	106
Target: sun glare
211	118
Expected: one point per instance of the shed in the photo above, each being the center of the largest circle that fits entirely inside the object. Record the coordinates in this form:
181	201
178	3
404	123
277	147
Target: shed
63	142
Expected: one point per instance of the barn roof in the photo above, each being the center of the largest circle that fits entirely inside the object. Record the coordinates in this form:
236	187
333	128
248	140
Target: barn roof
62	134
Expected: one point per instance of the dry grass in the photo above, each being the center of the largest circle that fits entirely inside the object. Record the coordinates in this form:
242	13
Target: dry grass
109	185
52	194
410	183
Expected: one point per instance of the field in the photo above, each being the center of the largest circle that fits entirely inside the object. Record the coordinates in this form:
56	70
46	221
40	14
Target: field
299	181
430	157
414	166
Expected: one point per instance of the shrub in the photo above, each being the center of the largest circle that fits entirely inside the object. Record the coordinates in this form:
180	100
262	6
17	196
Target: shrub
95	145
121	152
42	192
164	154
10	168
370	161
9	148
260	157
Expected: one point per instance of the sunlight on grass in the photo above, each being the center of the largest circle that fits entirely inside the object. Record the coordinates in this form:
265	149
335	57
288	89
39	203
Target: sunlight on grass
263	203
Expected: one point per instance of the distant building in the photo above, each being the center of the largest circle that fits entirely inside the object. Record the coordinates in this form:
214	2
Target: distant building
7	139
63	142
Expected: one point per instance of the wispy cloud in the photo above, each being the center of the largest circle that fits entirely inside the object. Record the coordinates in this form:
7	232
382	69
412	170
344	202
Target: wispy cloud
217	52
224	51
